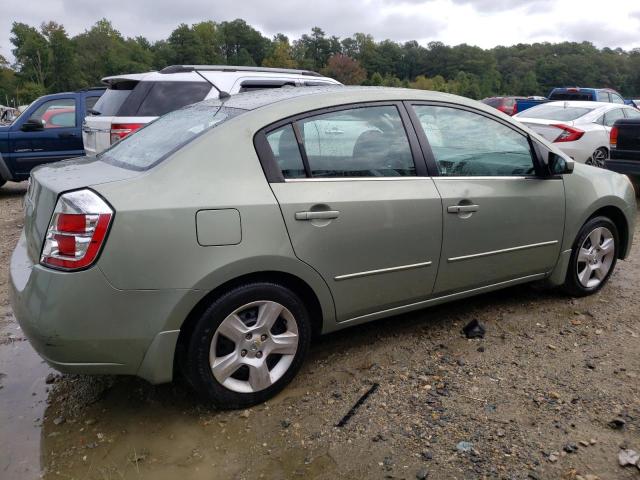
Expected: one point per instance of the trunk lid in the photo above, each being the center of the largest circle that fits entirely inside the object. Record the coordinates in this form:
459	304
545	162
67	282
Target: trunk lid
49	181
545	128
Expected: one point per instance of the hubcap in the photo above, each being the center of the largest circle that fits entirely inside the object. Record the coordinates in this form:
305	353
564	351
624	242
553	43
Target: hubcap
598	158
254	346
595	257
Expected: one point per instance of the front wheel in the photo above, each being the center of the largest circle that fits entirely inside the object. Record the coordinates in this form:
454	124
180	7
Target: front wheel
593	258
248	345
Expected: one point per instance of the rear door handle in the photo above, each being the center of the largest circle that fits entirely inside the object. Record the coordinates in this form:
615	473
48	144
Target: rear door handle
463	208
319	215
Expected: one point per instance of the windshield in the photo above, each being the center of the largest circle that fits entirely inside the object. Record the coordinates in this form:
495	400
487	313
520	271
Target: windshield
153	143
556	112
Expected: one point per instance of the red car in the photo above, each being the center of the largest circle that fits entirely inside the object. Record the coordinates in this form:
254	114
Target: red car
59	117
504	104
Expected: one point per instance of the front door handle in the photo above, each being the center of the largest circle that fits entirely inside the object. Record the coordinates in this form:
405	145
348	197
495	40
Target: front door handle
463	208
67	135
318	215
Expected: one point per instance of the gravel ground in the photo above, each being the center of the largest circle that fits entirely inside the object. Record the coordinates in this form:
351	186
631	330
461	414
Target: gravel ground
550	392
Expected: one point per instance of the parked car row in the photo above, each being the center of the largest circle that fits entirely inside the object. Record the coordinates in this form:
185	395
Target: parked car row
579	128
66	125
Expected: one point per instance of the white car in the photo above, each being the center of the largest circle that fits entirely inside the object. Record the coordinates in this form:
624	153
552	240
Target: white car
580	129
131	101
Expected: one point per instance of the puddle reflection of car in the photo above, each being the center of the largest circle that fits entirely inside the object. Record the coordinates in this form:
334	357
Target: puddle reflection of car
298	212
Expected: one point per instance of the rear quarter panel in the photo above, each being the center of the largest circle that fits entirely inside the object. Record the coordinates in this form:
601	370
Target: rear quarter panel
153	242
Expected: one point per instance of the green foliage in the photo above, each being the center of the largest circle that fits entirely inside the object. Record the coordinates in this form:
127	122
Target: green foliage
47	60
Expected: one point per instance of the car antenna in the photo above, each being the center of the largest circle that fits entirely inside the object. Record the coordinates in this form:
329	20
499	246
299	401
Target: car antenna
222	95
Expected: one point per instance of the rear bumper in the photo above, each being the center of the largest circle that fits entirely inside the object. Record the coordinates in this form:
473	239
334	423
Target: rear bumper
79	323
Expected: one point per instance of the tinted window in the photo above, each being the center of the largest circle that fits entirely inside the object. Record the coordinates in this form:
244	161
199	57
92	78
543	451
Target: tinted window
571	96
469	144
285	150
555	112
113	98
611	117
249	86
89	103
151	144
48	110
359	142
165	97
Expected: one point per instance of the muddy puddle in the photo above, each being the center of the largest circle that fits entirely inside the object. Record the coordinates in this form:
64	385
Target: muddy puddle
22	405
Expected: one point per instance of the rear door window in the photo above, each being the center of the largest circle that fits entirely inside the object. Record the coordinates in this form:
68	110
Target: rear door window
251	85
611	116
615	98
358	142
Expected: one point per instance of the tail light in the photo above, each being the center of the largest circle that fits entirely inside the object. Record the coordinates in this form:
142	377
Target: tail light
613	137
515	108
569	134
121	130
77	231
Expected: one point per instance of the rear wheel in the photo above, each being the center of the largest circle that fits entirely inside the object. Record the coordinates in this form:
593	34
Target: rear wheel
248	345
598	157
593	258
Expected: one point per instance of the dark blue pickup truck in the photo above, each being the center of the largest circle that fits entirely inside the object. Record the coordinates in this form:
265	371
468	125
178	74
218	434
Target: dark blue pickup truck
50	129
572	93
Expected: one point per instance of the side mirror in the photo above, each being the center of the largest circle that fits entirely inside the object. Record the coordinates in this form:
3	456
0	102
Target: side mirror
32	125
559	165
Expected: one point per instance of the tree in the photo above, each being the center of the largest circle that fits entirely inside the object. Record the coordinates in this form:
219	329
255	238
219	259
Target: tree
280	54
63	73
345	69
186	47
31	52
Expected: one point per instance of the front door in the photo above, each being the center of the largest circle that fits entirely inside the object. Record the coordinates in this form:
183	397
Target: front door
58	139
357	206
501	221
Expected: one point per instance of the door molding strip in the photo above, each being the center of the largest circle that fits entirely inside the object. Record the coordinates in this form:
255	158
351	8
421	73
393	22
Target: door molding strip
381	270
433	301
504	250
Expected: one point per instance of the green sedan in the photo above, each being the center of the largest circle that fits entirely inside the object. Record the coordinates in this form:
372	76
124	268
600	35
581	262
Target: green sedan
218	240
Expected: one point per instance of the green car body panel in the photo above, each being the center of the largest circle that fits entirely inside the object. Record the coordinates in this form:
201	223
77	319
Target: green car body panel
207	216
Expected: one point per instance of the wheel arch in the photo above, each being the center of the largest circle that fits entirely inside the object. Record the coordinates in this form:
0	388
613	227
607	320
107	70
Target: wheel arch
299	286
618	218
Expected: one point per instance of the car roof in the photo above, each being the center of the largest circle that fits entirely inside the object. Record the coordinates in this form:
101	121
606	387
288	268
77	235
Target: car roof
583	104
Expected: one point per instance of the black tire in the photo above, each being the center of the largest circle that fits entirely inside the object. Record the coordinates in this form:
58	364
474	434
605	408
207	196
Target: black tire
196	366
572	284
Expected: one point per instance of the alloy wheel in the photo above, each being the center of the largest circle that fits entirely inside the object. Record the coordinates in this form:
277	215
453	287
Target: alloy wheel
598	158
254	346
595	257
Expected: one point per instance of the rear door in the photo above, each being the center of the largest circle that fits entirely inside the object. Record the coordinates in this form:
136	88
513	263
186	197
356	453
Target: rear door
57	140
501	221
358	204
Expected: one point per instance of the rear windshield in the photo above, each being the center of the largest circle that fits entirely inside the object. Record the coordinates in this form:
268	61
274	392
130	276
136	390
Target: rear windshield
154	99
111	101
155	142
492	102
556	112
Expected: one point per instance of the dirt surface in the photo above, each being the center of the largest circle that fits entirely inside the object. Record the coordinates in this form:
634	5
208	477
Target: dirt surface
533	399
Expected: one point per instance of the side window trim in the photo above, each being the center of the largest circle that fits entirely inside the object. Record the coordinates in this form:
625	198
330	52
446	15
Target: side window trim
269	164
426	146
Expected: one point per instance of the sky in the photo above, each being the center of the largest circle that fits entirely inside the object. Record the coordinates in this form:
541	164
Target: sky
486	23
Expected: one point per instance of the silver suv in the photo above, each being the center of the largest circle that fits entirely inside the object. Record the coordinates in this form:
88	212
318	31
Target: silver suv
132	101
220	237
